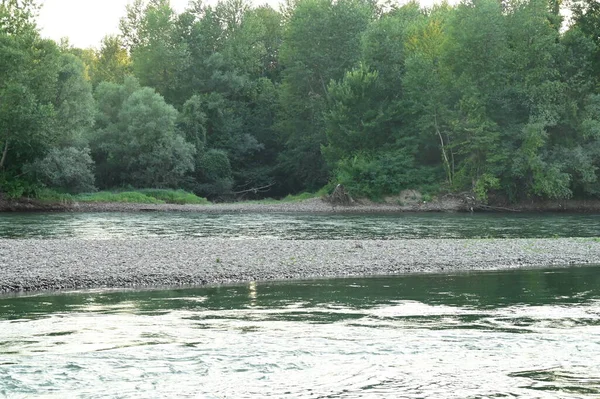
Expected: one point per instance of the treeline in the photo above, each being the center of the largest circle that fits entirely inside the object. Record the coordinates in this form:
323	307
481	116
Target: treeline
492	97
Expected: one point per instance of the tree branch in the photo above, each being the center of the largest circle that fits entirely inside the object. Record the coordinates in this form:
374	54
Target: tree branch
255	189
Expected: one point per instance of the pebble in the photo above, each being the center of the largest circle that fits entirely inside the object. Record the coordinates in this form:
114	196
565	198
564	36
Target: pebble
52	264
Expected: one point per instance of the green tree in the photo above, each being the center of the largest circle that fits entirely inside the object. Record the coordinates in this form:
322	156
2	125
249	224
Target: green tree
136	142
586	14
321	42
29	69
112	62
427	86
157	54
74	103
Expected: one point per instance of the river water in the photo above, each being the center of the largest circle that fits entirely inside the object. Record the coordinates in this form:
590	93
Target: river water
297	226
518	333
532	334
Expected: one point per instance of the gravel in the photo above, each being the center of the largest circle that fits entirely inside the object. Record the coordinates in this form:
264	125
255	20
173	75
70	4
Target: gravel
313	205
56	264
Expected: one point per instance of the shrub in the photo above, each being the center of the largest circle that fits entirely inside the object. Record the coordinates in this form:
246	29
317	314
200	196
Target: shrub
384	173
67	169
14	188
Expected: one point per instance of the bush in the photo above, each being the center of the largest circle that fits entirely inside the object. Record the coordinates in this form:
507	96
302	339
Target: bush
213	165
382	174
221	188
214	174
14	188
67	169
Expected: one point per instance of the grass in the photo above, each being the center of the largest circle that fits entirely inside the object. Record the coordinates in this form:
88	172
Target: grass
146	196
292	198
51	196
175	196
157	196
126	196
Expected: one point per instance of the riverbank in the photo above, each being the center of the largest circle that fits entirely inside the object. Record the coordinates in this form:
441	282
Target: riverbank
312	205
31	265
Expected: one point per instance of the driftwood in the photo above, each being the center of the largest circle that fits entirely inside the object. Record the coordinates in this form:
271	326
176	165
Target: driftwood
340	196
255	190
496	208
474	204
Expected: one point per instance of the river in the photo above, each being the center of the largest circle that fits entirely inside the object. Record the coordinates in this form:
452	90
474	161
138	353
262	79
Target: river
518	333
297	226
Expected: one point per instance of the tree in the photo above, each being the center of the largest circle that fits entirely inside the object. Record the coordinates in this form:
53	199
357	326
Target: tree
157	53
29	69
357	119
321	42
74	103
112	62
136	142
586	14
427	86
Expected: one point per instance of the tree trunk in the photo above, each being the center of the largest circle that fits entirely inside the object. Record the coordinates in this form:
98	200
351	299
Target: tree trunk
3	159
444	154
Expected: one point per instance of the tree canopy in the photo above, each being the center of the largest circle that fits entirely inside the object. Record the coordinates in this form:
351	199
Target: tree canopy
497	98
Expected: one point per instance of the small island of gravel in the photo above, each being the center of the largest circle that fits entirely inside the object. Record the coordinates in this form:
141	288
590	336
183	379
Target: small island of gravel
29	265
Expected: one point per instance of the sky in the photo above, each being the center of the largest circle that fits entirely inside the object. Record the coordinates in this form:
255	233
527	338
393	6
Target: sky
86	22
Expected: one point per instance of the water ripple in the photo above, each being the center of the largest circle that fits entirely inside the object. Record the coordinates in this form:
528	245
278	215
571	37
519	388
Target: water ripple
299	341
297	226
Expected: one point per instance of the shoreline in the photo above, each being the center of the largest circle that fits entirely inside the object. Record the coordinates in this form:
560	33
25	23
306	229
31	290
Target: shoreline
29	265
313	205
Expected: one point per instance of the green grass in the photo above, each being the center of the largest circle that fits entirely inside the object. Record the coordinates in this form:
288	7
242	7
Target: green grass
126	196
51	196
175	196
292	198
145	196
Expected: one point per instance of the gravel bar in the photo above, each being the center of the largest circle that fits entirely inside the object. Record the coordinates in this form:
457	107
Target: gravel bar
58	264
313	205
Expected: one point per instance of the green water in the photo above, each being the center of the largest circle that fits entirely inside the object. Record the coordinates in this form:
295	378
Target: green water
531	334
520	333
297	226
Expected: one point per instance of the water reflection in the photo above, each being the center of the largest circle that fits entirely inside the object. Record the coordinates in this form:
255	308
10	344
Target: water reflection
252	293
523	333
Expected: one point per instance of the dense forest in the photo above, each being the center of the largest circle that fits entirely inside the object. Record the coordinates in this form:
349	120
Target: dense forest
493	97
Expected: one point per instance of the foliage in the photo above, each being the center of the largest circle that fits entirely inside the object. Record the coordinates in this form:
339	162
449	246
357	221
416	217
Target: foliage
144	196
12	187
68	169
214	174
385	173
136	140
498	98
321	42
127	197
